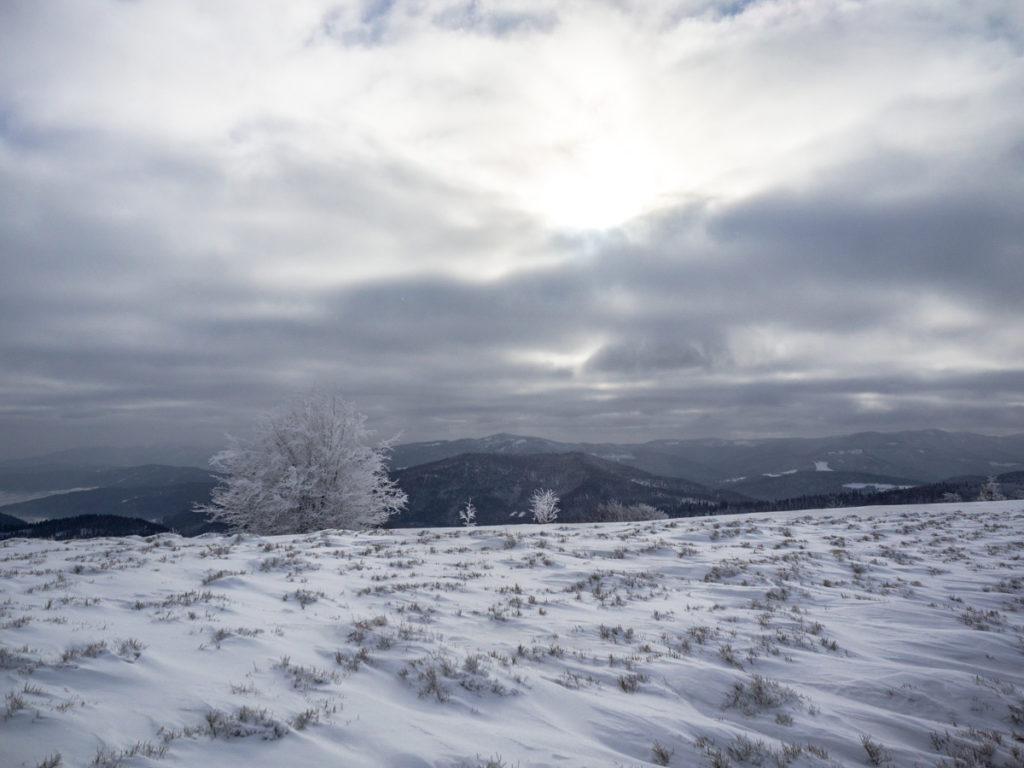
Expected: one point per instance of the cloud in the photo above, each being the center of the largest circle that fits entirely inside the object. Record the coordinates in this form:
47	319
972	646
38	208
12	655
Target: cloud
585	220
639	357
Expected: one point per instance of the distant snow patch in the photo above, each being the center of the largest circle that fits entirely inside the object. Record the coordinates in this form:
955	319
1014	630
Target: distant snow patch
780	474
822	466
876	486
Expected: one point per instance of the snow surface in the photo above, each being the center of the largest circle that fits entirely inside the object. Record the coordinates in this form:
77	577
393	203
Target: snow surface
822	466
772	639
780	474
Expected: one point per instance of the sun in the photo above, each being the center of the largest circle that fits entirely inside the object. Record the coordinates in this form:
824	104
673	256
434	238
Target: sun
598	182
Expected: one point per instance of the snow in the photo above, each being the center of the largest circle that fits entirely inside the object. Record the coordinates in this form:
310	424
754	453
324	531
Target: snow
875	486
822	466
780	474
716	639
620	457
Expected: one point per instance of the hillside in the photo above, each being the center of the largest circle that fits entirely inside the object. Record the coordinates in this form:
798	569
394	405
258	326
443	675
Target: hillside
9	521
500	486
832	638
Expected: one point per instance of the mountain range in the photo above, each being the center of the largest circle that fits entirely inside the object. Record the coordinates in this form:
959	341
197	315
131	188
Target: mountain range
500	472
923	456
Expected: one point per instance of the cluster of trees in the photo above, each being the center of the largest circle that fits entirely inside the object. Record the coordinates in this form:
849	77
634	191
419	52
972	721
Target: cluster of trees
617	512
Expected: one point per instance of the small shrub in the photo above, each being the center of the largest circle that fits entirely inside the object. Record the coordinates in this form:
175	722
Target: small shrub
630	683
877	754
661	755
759	694
726	653
115	758
304	718
13	702
304	597
130	649
213	576
352	661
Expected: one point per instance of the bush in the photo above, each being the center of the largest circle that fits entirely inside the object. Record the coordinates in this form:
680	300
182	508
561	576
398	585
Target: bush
544	506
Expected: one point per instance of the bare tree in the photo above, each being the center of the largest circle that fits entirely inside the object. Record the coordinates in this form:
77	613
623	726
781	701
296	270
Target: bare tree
310	466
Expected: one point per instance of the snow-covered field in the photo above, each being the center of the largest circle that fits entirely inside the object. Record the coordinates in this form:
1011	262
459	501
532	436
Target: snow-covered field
885	636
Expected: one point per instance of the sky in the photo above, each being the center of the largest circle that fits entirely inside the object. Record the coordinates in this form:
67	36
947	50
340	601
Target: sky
611	220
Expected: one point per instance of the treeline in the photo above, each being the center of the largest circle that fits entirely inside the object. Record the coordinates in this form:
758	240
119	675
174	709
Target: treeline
84	527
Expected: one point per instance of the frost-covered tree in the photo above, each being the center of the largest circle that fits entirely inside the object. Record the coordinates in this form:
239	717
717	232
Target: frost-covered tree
468	514
991	491
544	506
310	466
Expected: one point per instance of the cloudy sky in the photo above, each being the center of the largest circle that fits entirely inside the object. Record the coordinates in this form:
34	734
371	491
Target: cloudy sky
607	220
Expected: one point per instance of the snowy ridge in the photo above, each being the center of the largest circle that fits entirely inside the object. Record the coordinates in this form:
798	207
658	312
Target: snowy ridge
804	639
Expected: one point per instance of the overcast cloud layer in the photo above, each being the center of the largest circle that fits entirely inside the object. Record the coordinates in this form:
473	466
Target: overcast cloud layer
598	220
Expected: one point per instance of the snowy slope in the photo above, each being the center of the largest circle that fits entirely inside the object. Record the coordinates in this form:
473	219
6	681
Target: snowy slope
838	637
